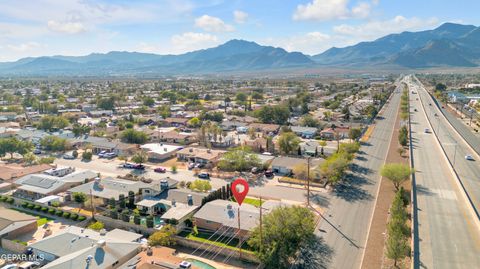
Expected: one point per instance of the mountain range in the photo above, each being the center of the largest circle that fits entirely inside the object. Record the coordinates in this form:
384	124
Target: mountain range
449	45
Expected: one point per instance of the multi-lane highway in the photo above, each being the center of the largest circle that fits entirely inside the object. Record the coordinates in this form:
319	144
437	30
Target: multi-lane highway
448	236
455	147
346	224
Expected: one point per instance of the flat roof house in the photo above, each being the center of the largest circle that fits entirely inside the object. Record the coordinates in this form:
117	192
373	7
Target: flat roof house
160	151
77	247
14	223
200	155
36	186
305	132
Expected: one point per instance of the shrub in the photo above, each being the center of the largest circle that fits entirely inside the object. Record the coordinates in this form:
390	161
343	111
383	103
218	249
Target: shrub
81	218
66	215
3	199
136	219
25	204
44	209
59	213
55	204
96	226
30	206
10	200
149	222
37	208
51	211
87	155
74	216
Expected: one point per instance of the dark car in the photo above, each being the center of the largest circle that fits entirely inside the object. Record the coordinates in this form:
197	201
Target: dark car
269	173
204	175
139	167
160	170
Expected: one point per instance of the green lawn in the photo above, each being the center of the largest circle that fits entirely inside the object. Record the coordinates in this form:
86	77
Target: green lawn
216	240
251	201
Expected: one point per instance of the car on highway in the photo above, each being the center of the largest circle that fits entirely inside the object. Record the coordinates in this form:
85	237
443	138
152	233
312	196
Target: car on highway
160	170
427	130
429	104
436	115
415	110
204	175
469	158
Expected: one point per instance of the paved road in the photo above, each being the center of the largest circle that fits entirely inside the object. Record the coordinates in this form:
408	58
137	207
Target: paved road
447	235
456	149
350	209
111	168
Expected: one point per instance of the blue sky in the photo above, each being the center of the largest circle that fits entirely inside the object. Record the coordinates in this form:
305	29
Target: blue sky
80	27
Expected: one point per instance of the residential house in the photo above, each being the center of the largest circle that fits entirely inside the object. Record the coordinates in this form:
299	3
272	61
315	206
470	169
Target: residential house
76	247
285	166
304	132
259	144
265	128
104	144
14	223
159	151
232	125
175	122
12	171
36	186
200	155
221	216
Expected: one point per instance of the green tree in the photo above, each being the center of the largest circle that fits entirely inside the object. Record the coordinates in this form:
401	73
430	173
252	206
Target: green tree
194	122
106	103
283	233
200	185
80	129
241	97
239	159
30	158
355	133
140	157
149	102
309	121
288	142
397	173
333	168
164	237
87	155
79	197
133	136
53	143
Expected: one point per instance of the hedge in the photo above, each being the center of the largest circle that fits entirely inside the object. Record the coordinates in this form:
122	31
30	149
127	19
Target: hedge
44	209
59	213
30	206
25	204
66	215
81	218
37	208
51	211
74	216
10	200
3	199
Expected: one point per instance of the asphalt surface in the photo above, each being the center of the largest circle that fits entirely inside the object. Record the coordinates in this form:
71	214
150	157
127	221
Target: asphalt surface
456	148
346	222
448	237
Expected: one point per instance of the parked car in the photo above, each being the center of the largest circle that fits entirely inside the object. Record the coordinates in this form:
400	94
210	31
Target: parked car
68	156
199	165
185	265
110	155
102	153
191	166
469	158
204	175
128	165
415	110
269	173
160	170
436	115
139	167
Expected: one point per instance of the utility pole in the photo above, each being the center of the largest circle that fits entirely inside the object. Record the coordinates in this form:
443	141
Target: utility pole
91	203
239	236
261	225
308	181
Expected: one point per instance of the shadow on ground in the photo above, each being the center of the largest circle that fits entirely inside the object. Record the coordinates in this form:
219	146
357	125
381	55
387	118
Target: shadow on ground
314	254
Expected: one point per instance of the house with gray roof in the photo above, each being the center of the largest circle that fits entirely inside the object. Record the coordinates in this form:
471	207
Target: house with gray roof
223	215
305	132
14	223
76	247
36	186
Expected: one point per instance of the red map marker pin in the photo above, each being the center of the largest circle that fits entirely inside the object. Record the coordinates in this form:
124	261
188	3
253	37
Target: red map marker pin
240	195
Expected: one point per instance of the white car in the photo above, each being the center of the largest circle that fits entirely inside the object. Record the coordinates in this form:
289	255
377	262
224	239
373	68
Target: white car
469	158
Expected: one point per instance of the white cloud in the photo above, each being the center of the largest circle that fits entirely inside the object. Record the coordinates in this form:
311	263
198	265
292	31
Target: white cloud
240	16
375	29
324	10
362	10
193	41
66	27
24	47
212	24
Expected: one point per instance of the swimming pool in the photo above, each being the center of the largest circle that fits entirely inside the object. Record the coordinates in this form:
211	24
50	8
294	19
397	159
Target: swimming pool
200	264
